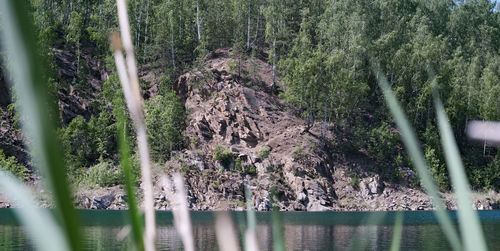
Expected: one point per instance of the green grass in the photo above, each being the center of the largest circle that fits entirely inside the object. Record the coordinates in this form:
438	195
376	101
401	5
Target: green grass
42	228
471	232
34	104
130	181
470	228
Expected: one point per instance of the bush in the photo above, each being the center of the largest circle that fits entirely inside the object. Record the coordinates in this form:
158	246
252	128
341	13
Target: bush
11	165
165	121
252	170
298	153
237	165
438	169
264	152
104	174
354	182
382	145
487	177
224	155
85	142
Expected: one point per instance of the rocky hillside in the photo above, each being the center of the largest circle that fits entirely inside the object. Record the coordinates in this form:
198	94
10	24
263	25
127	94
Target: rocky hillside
239	132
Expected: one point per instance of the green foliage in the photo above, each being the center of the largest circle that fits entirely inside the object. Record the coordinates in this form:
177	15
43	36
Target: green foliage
252	170
438	169
487	177
223	155
10	164
34	103
237	165
382	145
87	142
354	181
264	152
298	153
165	119
104	174
131	176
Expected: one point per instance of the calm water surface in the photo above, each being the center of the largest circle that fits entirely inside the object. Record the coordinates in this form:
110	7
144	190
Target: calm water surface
303	230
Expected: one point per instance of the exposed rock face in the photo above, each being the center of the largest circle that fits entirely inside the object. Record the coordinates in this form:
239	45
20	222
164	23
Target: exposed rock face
241	114
73	100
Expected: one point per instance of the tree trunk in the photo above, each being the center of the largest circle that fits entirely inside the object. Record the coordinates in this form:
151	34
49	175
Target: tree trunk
146	33
248	28
198	20
257	26
274	60
325	117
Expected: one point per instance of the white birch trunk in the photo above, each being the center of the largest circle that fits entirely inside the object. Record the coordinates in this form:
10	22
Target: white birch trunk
198	19
274	60
248	27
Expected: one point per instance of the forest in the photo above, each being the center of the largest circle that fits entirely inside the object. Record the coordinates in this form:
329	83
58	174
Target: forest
321	52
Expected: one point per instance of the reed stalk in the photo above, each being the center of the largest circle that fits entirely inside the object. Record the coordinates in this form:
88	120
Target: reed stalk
470	228
250	234
227	238
180	209
36	111
127	72
415	152
134	215
40	225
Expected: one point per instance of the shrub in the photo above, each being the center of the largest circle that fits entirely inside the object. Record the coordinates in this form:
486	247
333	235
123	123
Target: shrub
224	155
354	182
237	165
298	153
264	152
165	121
85	142
104	174
252	170
11	165
438	169
382	145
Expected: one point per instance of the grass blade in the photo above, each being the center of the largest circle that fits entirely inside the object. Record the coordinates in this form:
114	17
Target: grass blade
396	232
250	235
134	215
227	237
414	151
39	223
470	228
130	85
180	209
33	101
278	235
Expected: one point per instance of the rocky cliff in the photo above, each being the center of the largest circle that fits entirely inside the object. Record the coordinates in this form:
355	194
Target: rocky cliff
240	133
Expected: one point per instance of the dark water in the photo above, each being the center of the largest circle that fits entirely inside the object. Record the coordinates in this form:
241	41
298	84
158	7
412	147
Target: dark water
303	230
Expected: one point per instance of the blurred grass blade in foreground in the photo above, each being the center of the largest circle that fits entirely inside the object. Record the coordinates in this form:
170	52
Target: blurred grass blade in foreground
250	234
278	235
414	151
180	209
39	223
34	107
227	238
470	228
129	80
397	232
125	162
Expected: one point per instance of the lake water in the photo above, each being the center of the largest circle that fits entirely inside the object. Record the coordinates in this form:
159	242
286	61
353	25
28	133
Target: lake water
303	230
